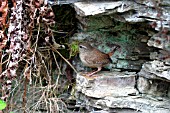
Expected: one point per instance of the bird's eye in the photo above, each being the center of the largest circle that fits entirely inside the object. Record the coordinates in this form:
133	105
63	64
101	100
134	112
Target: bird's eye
80	46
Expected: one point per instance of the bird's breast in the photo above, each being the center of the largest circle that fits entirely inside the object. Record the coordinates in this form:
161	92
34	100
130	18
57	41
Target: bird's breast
83	58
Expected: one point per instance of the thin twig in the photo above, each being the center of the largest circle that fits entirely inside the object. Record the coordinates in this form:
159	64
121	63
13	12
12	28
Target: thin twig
57	64
25	95
55	50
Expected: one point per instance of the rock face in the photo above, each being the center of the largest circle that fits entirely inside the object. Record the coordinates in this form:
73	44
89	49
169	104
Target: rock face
110	91
132	11
142	29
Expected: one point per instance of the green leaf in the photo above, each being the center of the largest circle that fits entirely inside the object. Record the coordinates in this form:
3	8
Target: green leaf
74	48
2	105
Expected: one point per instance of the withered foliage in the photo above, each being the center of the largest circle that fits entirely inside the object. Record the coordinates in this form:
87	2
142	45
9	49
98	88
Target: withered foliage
3	25
21	29
28	54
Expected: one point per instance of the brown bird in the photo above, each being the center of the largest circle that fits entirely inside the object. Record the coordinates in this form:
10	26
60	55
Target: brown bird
94	58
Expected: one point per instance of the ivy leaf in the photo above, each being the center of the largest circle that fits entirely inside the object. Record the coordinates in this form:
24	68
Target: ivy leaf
74	49
2	105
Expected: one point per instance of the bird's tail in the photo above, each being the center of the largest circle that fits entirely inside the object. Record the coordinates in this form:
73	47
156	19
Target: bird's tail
116	47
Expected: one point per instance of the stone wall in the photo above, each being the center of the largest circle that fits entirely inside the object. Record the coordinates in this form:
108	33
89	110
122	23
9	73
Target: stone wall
138	79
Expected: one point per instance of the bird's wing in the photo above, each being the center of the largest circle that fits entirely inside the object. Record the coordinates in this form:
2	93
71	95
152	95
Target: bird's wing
98	58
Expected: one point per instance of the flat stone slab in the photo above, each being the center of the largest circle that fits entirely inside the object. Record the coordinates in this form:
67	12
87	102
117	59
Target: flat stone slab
138	103
107	83
93	8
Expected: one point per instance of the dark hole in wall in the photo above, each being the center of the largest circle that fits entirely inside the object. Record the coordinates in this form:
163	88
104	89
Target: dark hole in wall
162	86
65	26
0	14
66	22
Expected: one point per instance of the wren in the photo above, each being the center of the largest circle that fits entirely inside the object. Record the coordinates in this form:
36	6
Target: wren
94	58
